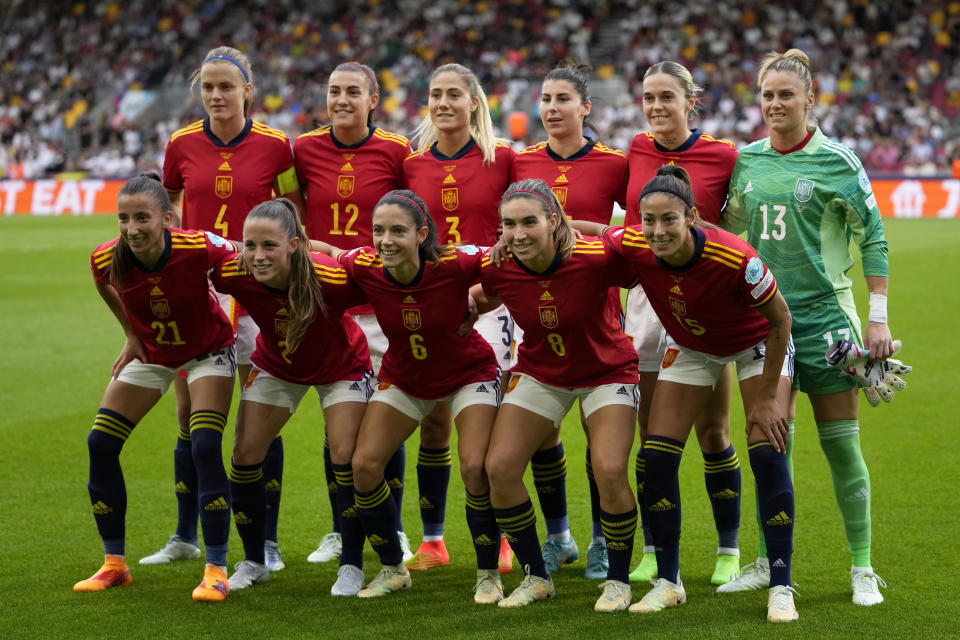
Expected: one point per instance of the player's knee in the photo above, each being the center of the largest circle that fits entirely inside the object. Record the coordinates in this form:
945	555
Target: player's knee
473	473
367	471
610	475
502	470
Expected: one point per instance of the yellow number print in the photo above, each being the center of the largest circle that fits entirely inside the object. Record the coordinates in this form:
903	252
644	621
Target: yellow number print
555	341
416	346
691	325
285	351
221	224
453	234
161	330
351	210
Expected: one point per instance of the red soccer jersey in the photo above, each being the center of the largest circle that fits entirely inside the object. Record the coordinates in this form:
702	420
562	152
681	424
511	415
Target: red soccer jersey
587	183
461	193
425	357
222	182
344	182
170	306
571	334
709	162
333	348
709	304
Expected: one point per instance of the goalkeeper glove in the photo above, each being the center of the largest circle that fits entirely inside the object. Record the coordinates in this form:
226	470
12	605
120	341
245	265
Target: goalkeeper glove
879	379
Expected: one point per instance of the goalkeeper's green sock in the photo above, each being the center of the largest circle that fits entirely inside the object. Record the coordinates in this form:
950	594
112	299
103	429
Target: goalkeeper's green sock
840	441
762	546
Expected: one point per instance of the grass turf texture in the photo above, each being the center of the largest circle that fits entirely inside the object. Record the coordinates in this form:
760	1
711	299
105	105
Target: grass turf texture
58	341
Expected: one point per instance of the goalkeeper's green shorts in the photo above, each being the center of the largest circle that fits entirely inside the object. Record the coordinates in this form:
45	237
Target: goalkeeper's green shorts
816	327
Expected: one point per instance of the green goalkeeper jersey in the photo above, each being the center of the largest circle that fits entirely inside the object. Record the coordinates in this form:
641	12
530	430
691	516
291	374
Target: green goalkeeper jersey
800	211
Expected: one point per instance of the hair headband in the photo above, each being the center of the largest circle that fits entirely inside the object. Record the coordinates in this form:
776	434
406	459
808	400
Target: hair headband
423	216
363	70
650	188
549	206
229	59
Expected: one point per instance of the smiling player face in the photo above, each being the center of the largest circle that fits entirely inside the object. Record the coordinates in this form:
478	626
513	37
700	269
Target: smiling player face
267	251
450	103
397	239
666	107
142	221
349	101
528	231
785	104
666	228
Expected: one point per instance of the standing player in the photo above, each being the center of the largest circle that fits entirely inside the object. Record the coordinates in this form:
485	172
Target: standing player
669	96
719	304
418	291
217	169
587	178
344	168
460	170
555	286
306	340
154	279
801	196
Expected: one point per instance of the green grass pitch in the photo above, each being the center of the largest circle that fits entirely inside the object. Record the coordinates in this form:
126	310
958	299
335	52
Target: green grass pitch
58	340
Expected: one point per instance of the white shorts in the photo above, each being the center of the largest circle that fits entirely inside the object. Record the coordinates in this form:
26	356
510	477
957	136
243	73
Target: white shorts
222	362
376	341
517	341
246	330
553	402
686	366
267	389
416	408
497	329
644	327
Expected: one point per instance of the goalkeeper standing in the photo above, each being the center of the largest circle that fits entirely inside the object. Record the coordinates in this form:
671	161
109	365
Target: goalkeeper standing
801	196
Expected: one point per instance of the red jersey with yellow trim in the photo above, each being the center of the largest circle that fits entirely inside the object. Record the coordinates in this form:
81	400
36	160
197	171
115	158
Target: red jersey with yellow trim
333	347
708	160
461	192
709	304
587	183
571	333
220	181
170	306
344	182
425	357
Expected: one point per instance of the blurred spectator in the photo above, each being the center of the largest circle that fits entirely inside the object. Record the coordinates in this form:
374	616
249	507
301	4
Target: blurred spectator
887	75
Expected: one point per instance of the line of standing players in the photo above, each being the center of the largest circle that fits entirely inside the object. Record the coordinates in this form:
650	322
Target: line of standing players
383	218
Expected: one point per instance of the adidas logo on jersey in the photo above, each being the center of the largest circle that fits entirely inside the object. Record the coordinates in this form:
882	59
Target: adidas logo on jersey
546	296
409	300
483	540
622	391
780	519
273	485
181	487
725	494
482	389
241	518
779	563
860	495
355	386
449	179
156	291
676	290
663	505
748	188
100	508
225	166
220	504
425	504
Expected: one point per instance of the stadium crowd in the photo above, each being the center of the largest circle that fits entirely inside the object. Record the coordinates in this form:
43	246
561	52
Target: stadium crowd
888	79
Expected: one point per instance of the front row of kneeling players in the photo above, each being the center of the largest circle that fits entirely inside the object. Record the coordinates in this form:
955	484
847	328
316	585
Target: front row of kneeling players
716	298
